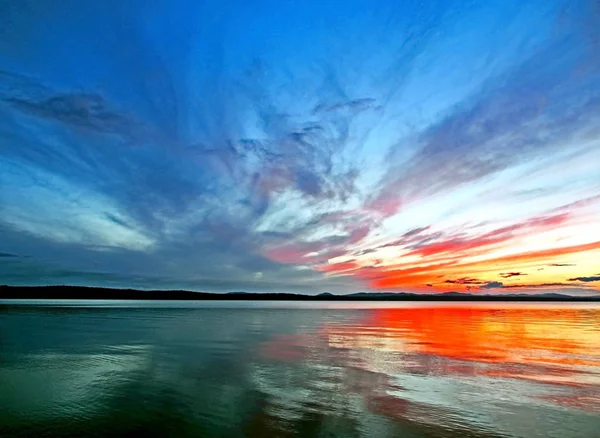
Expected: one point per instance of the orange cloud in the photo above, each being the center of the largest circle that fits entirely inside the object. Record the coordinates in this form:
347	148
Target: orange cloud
384	278
546	254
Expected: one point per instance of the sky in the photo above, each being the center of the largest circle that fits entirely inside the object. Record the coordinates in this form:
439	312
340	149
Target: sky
299	146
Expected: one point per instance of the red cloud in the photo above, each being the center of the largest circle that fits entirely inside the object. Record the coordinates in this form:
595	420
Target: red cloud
455	246
338	267
378	273
491	238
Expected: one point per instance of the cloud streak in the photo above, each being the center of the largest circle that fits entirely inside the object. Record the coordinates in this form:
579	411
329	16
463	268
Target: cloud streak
586	279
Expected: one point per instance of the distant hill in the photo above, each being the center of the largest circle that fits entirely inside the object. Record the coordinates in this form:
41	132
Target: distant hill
97	293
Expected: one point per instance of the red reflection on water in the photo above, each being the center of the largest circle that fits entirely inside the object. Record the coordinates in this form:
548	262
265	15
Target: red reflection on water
551	337
543	345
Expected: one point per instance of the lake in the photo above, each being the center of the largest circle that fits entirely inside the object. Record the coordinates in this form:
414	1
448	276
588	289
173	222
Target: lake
269	369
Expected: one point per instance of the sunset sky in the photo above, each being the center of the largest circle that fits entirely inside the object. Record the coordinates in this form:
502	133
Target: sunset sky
301	146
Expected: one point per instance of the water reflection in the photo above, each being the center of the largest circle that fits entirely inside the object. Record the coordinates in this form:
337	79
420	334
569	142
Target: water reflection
433	371
561	345
487	364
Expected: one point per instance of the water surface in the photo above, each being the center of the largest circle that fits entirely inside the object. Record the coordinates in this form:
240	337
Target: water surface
355	369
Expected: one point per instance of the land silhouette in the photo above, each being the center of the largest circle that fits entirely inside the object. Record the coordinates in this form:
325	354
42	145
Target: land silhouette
100	293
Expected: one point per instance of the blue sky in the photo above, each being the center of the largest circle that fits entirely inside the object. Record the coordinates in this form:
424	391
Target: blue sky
301	146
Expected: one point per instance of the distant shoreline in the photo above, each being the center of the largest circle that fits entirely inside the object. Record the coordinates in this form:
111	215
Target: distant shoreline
98	293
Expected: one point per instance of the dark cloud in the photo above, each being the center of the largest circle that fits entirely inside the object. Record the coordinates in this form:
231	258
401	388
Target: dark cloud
354	105
410	237
493	285
586	279
465	280
365	251
7	254
511	274
563	264
87	111
536	285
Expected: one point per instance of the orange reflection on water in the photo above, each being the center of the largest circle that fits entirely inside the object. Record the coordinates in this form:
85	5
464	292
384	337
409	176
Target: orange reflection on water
553	336
539	343
410	362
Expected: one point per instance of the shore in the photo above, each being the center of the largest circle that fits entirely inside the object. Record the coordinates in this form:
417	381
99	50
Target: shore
97	293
